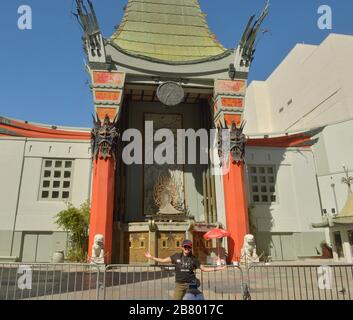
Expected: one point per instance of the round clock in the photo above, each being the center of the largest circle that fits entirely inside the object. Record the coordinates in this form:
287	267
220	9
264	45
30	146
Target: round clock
170	93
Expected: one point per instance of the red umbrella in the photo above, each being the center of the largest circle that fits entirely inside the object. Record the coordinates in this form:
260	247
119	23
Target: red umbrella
216	234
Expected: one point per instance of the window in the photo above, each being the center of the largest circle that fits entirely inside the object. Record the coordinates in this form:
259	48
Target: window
56	180
262	184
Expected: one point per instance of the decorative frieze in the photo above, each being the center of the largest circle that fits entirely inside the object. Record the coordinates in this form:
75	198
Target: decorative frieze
108	79
108	89
229	101
230	87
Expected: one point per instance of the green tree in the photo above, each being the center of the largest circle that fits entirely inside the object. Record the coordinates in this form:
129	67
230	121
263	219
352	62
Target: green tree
76	222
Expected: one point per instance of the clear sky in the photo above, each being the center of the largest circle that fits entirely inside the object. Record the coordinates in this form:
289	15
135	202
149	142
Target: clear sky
42	74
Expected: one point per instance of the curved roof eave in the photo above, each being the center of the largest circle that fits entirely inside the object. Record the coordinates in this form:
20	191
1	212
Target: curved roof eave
24	129
205	68
173	63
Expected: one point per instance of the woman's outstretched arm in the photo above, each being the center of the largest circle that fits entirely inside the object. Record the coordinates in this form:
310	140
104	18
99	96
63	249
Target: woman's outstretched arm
150	257
211	269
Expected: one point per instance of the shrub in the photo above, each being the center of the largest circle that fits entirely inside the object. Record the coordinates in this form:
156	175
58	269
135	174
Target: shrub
76	222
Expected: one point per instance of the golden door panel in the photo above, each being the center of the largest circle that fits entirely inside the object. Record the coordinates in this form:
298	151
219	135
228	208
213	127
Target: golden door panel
136	244
169	243
201	247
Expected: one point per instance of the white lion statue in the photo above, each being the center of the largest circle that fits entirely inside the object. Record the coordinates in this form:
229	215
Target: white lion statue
98	249
248	252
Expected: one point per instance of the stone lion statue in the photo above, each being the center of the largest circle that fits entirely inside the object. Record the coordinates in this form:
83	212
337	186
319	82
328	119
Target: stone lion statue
98	249
248	252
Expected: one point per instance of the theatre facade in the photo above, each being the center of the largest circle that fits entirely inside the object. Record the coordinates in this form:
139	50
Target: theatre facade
163	66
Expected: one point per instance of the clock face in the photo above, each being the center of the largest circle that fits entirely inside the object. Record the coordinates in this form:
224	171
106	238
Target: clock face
170	93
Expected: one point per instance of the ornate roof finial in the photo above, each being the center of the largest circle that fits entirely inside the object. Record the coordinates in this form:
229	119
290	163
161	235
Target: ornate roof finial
347	180
346	214
93	40
247	46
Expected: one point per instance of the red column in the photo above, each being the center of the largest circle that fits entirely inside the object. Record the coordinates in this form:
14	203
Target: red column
229	102
236	207
102	206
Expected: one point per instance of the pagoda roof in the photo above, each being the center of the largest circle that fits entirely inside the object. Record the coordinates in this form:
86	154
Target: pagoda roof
173	31
346	215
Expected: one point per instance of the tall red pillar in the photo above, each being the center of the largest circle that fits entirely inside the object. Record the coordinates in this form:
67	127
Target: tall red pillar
102	204
108	88
236	206
228	106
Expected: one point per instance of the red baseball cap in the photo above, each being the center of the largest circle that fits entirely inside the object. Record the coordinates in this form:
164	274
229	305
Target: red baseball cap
187	243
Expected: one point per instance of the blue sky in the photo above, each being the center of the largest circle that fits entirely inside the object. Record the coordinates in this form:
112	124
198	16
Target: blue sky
43	78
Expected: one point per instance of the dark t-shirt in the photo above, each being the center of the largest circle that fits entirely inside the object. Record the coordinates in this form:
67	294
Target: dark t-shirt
185	267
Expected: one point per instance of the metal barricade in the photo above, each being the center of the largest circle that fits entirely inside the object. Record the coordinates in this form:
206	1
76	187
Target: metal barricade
222	285
141	282
300	282
20	281
138	282
23	281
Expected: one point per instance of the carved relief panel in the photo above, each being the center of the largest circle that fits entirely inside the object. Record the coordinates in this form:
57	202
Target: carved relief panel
164	184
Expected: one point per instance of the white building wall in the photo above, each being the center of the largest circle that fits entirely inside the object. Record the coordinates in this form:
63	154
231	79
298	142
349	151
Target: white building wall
334	151
31	208
27	224
343	51
312	87
258	119
296	189
284	227
11	158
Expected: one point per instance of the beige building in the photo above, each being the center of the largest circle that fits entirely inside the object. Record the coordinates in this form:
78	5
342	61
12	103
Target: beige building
311	88
38	176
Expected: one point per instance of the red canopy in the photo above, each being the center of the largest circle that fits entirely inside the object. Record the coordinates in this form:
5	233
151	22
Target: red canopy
216	234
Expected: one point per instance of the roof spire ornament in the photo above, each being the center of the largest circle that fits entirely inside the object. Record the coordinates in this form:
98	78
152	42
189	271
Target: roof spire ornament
347	180
93	40
247	46
346	214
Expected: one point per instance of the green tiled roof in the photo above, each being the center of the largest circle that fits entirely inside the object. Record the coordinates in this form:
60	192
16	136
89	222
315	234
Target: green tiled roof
167	30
